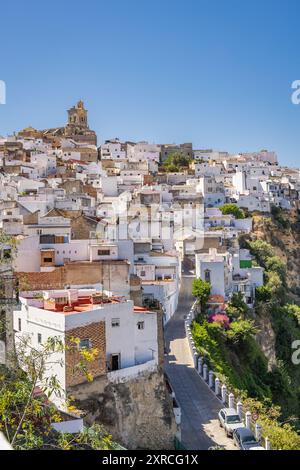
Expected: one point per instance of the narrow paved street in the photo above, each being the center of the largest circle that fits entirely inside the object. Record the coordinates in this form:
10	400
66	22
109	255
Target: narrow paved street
199	406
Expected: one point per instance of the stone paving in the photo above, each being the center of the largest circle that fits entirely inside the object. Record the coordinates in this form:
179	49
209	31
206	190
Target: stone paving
199	407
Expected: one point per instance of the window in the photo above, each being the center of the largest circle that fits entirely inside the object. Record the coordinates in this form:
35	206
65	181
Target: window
47	260
141	325
143	273
85	343
6	254
39	338
19	324
207	275
115	322
103	252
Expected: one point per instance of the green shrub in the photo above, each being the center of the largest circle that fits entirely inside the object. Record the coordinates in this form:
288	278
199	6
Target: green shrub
262	251
233	209
241	331
237	308
201	290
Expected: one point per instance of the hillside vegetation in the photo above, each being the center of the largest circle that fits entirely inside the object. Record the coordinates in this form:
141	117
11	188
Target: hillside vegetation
254	355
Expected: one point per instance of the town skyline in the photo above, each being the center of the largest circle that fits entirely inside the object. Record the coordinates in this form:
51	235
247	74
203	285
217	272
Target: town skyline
104	139
159	72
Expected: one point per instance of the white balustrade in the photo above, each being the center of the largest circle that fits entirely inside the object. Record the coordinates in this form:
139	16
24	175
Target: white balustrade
217	386
223	393
205	372
239	409
248	420
231	400
258	431
267	444
200	365
211	379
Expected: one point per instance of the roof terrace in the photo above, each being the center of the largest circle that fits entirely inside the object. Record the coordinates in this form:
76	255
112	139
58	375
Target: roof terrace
72	301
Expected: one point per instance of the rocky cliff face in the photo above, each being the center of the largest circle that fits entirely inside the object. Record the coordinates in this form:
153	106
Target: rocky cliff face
138	413
283	233
279	328
266	338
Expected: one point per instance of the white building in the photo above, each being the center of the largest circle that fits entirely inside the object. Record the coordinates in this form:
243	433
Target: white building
125	336
113	150
44	162
143	151
214	268
212	191
246	277
160	279
254	203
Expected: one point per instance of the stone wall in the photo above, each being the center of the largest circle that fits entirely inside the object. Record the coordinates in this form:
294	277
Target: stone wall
72	185
113	274
138	413
136	290
81	227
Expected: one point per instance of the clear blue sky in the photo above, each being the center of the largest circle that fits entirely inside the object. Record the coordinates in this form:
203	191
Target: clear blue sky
214	72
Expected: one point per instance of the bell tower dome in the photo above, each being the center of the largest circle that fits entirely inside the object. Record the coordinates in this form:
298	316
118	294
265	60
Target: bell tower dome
77	117
77	127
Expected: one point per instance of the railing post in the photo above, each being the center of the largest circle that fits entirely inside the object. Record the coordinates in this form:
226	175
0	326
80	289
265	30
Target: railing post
195	358
239	409
177	413
257	431
192	313
231	400
223	393
200	365
205	370
267	444
248	420
217	386
211	379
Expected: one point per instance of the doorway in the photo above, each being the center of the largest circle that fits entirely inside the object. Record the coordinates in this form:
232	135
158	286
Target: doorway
115	362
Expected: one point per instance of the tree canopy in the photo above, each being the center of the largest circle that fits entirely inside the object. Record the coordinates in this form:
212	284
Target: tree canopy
201	290
234	210
26	410
176	161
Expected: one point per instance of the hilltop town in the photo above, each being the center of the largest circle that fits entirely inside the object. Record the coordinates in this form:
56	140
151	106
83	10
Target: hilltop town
101	245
